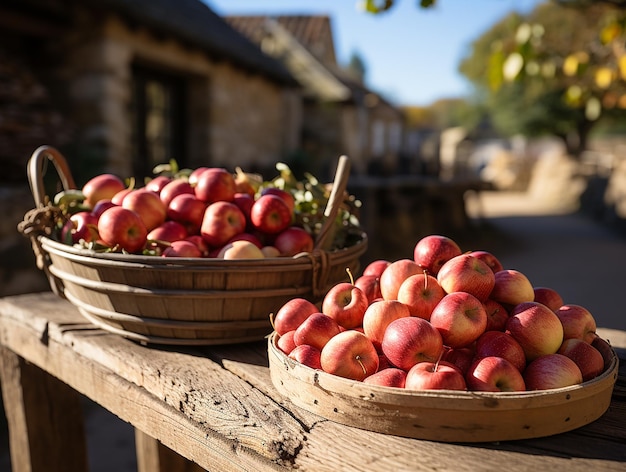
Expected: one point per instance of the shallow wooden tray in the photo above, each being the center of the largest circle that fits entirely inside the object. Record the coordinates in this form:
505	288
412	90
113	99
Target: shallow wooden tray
445	415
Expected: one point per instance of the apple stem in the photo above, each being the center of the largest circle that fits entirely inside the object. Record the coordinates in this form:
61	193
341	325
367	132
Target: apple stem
272	321
437	363
358	359
350	275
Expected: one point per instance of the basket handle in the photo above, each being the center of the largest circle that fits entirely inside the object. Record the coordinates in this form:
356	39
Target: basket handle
35	170
325	236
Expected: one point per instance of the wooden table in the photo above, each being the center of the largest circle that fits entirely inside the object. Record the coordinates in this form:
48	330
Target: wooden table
216	407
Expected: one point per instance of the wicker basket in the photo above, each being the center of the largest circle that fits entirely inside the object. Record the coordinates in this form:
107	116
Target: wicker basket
176	301
445	415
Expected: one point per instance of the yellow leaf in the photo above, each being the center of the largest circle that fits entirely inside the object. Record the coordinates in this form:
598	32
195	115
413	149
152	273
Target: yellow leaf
604	77
570	65
610	33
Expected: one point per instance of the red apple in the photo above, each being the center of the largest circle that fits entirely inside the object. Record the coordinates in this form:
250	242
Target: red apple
316	330
285	342
122	227
147	205
291	314
549	297
465	273
215	185
370	284
578	322
494	374
222	220
240	249
119	196
82	225
512	287
431	252
551	371
488	258
536	328
157	183
187	210
388	377
181	248
287	196
350	354
169	231
174	187
461	357
394	275
193	177
377	317
420	293
346	303
102	205
200	243
499	344
247	237
376	267
293	240
497	315
588	359
434	376
270	214
410	340
307	355
101	187
460	318
244	201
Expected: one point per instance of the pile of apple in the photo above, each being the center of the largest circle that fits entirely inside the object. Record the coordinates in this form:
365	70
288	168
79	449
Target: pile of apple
209	212
443	320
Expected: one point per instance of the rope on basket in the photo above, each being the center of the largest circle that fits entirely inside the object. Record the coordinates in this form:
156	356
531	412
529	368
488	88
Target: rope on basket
320	260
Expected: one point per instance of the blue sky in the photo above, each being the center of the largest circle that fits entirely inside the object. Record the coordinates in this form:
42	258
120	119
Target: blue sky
411	54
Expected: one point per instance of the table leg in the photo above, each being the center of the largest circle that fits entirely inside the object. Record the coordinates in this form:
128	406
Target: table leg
152	456
45	418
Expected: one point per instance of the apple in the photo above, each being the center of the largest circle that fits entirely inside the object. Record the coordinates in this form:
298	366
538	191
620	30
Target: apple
270	251
383	362
370	285
291	314
157	183
174	187
395	274
200	243
432	251
246	183
512	287
376	267
350	354
420	293
244	201
316	330
169	231
488	258
119	196
82	225
409	340
293	240
346	303
500	344
181	248
588	359
497	315
388	377
537	328
247	237
240	249
549	297
102	205
465	273
270	214
377	317
434	376
551	371
307	355
187	210
147	205
461	357
101	187
285	342
460	317
287	196
578	322
193	177
123	228
215	185
494	374
222	220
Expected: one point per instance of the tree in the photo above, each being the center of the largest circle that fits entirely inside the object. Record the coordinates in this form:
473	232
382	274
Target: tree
559	70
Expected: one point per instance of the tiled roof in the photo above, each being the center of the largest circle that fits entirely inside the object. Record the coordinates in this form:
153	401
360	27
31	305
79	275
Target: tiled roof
195	22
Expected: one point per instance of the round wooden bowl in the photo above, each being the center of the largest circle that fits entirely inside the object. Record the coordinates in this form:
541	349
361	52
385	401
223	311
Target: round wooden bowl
445	415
